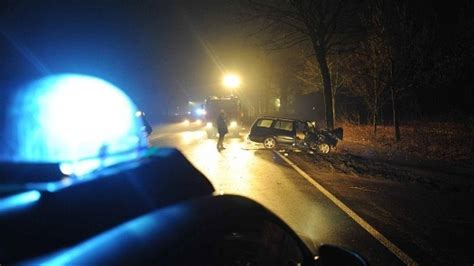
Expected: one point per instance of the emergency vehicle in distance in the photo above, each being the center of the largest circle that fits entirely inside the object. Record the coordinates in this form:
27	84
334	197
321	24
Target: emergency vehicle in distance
195	112
233	114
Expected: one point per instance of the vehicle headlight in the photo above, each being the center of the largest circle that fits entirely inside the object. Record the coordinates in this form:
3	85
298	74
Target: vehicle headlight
209	124
200	111
233	124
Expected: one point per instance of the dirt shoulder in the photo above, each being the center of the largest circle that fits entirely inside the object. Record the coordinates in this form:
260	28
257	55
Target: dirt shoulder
436	174
437	155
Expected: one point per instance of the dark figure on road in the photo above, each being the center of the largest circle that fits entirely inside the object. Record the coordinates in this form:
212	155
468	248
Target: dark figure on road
221	129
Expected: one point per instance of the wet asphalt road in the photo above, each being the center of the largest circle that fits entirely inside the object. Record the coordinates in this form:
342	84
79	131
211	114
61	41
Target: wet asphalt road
249	170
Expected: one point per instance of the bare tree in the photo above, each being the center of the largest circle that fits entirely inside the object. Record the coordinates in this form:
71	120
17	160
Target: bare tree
310	76
367	74
327	25
403	37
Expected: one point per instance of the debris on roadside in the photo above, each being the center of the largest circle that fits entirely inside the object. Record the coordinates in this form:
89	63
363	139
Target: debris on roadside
448	180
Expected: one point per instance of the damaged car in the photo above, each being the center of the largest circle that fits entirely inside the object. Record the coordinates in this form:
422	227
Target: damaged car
281	132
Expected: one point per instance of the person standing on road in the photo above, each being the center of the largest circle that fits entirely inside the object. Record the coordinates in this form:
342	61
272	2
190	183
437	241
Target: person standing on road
221	129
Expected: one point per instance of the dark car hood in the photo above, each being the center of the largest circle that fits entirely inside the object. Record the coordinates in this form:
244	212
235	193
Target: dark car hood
181	234
76	212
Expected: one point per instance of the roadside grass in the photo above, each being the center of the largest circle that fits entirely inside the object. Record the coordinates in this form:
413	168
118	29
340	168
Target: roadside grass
446	141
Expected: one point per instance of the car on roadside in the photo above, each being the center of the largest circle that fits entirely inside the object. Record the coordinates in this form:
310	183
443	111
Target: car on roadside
275	132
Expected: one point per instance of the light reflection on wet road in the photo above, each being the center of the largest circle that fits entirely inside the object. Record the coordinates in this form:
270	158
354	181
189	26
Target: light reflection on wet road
247	169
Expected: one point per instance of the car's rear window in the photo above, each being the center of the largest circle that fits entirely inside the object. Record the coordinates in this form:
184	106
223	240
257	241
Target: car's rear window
265	123
284	125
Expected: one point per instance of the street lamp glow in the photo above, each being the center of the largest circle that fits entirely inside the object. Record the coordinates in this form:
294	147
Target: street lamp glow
231	81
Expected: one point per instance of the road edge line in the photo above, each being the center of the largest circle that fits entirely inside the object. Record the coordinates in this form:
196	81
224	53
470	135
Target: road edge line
353	215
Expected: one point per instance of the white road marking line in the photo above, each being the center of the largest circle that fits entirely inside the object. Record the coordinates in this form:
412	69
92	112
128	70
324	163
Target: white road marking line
371	230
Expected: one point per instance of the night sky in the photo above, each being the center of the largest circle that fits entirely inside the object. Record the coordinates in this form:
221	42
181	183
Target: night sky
159	52
162	53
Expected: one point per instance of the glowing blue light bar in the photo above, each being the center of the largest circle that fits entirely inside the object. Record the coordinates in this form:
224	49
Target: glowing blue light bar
19	201
74	120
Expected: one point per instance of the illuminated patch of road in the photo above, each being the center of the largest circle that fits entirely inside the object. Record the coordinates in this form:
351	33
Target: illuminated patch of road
246	168
189	137
228	164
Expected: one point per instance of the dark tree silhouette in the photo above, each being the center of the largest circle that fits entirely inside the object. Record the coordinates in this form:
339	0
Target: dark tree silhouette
329	26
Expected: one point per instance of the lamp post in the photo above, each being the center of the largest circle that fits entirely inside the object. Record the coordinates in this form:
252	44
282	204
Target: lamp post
231	81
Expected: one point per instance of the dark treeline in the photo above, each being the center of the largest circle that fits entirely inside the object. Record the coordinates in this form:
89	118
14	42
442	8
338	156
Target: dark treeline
400	60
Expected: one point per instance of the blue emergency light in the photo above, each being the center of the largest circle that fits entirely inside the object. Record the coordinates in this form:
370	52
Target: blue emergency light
79	121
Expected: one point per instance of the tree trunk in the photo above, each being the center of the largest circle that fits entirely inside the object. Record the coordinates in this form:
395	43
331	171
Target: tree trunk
328	105
334	88
374	121
396	123
333	108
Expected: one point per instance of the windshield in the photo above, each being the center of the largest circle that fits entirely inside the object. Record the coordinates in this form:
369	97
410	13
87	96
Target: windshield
384	88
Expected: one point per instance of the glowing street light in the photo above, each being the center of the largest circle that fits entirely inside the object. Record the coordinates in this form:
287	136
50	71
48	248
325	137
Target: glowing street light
231	81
